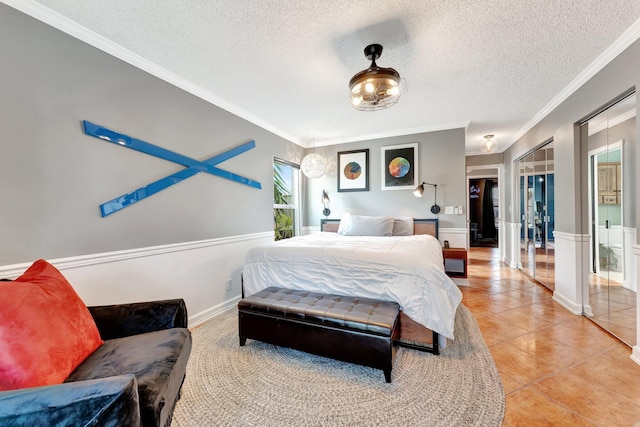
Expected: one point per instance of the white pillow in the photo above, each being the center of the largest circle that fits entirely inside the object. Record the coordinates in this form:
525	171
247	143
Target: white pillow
403	226
357	225
345	223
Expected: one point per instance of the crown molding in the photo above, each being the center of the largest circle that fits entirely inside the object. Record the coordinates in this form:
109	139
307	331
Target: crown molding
66	25
389	134
617	47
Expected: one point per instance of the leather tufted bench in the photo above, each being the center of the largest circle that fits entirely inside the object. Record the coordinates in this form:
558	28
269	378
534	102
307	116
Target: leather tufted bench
351	329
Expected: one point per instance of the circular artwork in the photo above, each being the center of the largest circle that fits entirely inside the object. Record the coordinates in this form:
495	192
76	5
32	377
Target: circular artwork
352	170
399	167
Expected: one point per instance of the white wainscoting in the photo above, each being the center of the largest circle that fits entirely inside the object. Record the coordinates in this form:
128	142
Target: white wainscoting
635	354
630	261
457	237
206	274
572	260
512	243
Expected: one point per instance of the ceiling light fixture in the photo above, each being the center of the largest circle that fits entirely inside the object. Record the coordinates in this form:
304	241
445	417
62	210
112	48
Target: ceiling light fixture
488	144
313	165
375	88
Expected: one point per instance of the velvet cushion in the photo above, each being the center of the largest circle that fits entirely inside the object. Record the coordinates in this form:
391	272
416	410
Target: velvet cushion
46	331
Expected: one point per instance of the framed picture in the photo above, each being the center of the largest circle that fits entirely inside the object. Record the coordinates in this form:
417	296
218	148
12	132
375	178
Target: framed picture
353	170
400	167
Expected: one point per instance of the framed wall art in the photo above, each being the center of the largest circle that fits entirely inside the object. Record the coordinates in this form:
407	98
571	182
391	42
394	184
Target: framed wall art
353	170
400	167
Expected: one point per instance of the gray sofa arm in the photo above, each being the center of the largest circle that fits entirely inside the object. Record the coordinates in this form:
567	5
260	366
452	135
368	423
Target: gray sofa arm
123	320
111	401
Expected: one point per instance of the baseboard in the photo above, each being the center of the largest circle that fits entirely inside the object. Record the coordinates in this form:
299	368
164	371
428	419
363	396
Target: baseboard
635	354
208	314
567	303
459	281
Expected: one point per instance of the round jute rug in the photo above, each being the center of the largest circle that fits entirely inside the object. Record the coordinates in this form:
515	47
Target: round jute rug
265	385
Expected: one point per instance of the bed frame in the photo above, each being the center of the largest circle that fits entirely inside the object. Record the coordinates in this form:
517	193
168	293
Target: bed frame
412	334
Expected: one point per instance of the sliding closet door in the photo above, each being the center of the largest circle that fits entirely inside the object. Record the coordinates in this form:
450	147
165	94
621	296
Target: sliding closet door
549	218
527	215
537	256
611	299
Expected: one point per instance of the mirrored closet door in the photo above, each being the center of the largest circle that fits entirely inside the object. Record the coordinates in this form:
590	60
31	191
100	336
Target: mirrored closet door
537	206
611	293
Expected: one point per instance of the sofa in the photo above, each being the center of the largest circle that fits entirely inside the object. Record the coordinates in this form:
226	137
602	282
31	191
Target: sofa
132	378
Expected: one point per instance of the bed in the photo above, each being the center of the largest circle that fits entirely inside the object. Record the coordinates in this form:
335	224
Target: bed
406	267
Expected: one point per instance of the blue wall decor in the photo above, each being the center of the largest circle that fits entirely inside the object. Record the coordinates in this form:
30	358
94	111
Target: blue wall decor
193	167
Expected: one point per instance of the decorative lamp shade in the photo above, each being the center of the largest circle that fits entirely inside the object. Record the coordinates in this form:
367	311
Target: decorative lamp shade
375	88
489	144
313	165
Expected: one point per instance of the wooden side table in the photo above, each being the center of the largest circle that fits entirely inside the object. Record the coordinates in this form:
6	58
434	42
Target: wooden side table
455	262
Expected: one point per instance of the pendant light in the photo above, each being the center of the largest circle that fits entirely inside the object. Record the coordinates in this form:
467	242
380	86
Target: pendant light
375	88
313	165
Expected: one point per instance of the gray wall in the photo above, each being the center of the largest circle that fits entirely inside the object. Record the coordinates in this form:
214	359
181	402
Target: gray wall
441	162
53	177
618	76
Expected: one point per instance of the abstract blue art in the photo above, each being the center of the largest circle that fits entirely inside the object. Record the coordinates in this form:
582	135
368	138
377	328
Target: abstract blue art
193	166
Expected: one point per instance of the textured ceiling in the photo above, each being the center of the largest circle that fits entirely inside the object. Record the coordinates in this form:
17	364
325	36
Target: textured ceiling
492	65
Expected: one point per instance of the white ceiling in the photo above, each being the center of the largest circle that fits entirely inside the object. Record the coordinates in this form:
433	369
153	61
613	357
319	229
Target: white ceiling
493	66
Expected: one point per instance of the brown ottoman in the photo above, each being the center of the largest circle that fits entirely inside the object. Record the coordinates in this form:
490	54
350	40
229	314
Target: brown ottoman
351	329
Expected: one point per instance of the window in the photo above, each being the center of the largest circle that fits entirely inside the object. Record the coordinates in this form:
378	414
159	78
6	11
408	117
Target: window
286	199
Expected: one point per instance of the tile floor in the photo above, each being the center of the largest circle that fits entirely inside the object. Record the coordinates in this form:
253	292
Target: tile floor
614	307
557	369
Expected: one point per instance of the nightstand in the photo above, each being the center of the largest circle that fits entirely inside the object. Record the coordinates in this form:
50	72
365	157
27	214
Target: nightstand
455	261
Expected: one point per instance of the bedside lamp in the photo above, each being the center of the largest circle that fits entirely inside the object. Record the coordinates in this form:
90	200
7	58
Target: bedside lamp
325	201
435	209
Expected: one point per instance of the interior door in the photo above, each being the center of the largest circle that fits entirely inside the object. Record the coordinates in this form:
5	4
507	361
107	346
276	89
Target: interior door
527	215
549	217
611	299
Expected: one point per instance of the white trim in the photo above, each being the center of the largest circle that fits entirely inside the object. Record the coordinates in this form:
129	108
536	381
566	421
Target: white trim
208	314
567	303
635	354
14	270
501	202
513	256
392	133
66	25
616	48
207	275
310	229
571	237
571	272
629	239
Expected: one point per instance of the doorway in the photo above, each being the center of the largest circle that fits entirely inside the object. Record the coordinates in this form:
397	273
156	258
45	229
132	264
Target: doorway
484	212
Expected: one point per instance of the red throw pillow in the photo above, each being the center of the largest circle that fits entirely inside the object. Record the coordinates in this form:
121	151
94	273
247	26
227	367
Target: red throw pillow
45	329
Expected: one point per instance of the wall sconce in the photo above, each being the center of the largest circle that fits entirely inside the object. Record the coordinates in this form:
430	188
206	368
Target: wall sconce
325	201
435	209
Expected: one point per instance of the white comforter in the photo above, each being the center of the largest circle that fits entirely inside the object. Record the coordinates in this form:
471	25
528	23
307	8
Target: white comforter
408	270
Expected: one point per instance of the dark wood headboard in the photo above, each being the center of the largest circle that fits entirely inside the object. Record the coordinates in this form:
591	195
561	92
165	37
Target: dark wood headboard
420	226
